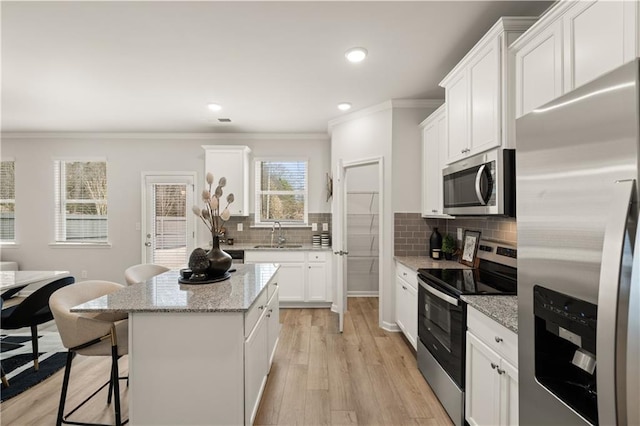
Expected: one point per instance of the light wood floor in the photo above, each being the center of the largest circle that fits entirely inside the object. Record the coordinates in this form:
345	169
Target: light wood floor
364	376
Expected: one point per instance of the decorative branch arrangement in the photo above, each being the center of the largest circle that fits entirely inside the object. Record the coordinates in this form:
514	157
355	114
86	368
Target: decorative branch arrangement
210	215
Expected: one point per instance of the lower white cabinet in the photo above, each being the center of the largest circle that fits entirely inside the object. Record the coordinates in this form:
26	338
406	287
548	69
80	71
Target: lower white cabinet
259	348
303	276
491	396
407	303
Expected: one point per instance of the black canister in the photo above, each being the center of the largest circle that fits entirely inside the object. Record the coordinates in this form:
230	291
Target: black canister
435	243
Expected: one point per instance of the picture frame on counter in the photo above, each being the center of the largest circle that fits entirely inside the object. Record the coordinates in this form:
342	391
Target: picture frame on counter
470	244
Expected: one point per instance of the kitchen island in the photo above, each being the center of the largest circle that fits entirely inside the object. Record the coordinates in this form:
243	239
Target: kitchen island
198	354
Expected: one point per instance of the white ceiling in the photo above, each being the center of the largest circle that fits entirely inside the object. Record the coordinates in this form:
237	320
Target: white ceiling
273	66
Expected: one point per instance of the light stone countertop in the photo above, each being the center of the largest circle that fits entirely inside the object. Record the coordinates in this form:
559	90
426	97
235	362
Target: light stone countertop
164	293
502	309
252	247
416	262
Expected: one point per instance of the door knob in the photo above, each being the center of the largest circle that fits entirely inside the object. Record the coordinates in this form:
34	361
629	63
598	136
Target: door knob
148	244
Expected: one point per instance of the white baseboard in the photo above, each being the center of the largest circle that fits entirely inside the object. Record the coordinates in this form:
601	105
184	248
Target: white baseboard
390	326
311	305
362	294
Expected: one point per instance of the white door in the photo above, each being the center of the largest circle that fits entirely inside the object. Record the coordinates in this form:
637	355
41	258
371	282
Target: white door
340	248
168	228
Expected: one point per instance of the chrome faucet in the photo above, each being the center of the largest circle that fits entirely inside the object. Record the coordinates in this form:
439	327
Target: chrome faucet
281	238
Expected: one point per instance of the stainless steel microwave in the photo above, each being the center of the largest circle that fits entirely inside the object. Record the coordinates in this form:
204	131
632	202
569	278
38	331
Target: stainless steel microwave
481	185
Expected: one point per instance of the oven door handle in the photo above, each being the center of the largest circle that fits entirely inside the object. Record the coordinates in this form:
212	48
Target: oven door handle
440	295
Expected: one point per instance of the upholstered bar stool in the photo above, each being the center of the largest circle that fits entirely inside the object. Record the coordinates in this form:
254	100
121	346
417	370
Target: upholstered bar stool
91	335
142	272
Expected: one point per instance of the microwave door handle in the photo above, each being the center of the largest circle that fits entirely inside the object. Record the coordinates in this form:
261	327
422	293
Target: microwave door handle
478	182
440	295
613	303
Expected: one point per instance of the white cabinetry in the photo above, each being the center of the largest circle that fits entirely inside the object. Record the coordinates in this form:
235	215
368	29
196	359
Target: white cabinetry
407	302
232	162
434	145
571	44
491	396
302	277
259	347
479	95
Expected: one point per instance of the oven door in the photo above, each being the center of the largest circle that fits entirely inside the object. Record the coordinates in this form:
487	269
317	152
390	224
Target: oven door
441	328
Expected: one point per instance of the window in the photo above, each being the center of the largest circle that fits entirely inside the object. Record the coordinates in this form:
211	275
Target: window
281	192
81	201
7	201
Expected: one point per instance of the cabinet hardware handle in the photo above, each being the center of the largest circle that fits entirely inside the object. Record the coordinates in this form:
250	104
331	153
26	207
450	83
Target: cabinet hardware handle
462	151
268	315
261	307
434	211
275	284
404	288
494	366
404	273
500	371
270	310
498	339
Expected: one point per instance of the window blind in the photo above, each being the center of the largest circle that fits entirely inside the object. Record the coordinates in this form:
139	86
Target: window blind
81	201
281	191
170	225
7	201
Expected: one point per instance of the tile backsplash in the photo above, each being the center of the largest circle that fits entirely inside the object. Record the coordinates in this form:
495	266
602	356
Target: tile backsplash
412	232
251	235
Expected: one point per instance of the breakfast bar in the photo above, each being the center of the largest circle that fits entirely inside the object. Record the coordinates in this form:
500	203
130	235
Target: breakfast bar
198	354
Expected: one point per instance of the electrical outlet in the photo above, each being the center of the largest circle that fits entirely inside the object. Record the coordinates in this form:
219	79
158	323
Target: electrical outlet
325	226
314	226
459	234
83	274
240	227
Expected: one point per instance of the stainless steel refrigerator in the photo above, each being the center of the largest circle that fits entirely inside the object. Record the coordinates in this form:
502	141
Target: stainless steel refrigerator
577	164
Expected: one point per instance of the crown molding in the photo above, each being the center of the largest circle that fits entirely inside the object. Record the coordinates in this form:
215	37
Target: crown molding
165	136
393	103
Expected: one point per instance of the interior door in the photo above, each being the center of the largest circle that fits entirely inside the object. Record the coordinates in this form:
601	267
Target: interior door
168	231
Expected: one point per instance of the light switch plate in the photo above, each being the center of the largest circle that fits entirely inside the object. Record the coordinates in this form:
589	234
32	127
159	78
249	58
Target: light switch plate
325	226
240	227
459	234
314	226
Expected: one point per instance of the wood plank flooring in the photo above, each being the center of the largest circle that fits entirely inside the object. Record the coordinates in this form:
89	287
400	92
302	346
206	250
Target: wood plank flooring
364	376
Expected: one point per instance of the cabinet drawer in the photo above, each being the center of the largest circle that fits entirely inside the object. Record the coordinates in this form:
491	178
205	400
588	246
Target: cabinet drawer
272	287
407	274
497	337
317	257
254	312
274	256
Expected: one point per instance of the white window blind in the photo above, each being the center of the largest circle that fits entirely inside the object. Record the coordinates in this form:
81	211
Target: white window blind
170	225
281	191
7	201
81	201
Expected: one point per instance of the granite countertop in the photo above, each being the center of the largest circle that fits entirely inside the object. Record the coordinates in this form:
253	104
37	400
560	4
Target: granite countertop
252	246
502	309
415	262
163	293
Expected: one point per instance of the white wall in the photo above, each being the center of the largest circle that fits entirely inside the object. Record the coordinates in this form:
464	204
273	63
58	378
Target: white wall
376	132
127	157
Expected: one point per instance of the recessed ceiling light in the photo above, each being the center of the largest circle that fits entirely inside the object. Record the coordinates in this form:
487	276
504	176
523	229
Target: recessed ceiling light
344	106
356	54
214	107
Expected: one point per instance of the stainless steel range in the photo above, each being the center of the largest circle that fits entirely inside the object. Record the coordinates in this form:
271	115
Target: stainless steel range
442	318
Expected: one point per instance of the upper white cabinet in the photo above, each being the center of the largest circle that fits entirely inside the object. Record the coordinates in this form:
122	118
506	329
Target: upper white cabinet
232	162
479	93
434	143
571	44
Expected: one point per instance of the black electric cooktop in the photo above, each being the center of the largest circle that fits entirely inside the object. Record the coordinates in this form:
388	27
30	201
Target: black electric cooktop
491	279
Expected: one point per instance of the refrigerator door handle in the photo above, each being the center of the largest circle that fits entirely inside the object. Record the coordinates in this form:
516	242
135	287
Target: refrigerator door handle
613	303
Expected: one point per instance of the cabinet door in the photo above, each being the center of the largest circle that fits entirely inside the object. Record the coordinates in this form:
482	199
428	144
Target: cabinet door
255	368
411	305
594	37
484	89
539	70
317	282
431	168
508	394
482	397
401	293
273	326
457	98
291	278
231	162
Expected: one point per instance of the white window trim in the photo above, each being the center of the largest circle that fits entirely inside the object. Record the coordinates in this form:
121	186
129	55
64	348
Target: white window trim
60	201
11	243
257	204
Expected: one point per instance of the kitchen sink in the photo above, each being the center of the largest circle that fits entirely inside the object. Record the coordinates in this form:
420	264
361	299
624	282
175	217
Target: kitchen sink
282	246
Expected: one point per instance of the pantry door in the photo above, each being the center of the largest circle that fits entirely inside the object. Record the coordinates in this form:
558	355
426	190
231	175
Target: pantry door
168	224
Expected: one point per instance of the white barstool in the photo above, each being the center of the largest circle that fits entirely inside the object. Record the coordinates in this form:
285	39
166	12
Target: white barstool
142	272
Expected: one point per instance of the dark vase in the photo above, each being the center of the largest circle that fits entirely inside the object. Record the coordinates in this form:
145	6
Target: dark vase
448	256
435	241
219	260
